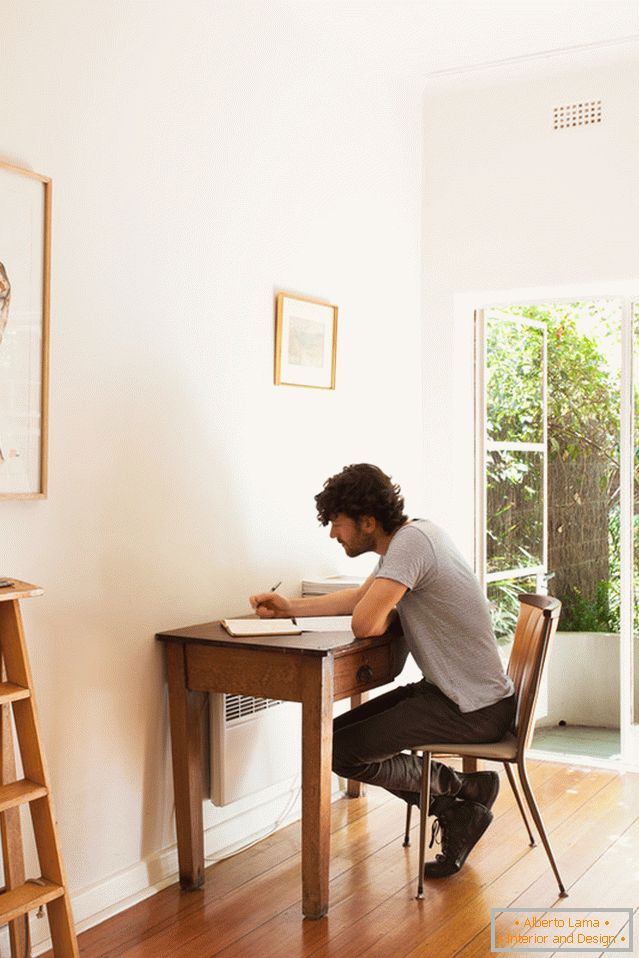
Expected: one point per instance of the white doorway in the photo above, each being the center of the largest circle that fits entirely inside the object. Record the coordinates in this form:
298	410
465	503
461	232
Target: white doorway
556	485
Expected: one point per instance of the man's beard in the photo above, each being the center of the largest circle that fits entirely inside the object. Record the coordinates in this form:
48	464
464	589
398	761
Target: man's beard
364	544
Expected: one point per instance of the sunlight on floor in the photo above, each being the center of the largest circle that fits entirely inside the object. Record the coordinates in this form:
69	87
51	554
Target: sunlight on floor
579	740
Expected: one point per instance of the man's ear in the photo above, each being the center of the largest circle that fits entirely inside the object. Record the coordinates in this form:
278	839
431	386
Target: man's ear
368	524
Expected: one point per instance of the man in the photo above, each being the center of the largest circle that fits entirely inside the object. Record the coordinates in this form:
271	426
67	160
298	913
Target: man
465	695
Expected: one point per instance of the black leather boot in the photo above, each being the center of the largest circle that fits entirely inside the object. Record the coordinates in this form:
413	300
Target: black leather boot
461	825
480	787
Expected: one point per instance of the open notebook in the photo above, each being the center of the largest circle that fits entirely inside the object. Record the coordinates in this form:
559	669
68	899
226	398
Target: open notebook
320	623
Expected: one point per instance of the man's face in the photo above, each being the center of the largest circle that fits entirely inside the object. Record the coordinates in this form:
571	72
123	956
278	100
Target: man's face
354	535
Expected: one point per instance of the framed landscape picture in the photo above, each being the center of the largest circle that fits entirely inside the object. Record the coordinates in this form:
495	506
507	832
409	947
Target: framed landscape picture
25	256
305	342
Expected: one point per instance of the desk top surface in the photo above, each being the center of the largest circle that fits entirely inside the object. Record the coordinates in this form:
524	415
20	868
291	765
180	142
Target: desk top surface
309	643
18	590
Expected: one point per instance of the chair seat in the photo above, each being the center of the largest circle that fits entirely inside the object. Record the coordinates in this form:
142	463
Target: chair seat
503	751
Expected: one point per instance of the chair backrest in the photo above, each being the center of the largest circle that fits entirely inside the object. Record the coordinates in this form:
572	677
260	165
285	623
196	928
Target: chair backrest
536	627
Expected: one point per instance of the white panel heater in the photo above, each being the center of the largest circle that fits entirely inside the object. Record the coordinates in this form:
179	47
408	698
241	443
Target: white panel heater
255	743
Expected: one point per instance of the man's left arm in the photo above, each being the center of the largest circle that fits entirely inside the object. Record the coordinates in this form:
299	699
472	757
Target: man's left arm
375	611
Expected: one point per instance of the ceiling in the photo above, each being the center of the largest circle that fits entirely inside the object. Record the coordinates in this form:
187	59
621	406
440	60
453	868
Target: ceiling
420	37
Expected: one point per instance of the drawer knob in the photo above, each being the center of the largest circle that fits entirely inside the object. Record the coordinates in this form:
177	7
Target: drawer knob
364	674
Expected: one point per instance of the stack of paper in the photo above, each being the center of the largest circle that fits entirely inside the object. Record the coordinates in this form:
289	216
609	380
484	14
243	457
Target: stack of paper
332	583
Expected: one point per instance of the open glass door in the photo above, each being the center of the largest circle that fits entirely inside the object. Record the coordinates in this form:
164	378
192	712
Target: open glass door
557	436
512	462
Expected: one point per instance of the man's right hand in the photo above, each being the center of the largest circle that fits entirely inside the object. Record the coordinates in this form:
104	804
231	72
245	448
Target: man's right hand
271	605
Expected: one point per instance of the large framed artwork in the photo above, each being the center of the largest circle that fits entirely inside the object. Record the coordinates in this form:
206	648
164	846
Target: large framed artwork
305	342
25	263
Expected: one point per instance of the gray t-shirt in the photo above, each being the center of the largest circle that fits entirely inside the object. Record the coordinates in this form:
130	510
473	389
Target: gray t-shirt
445	616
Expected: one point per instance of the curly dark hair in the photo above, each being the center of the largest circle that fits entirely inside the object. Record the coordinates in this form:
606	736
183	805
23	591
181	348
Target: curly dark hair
362	490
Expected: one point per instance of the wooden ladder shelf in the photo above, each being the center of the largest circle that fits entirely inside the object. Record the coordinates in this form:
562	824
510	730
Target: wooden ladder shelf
21	895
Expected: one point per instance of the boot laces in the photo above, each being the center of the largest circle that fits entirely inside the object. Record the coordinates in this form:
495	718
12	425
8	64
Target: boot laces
435	833
452	841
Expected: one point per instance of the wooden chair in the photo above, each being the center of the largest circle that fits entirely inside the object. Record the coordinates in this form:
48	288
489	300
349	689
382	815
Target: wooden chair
536	626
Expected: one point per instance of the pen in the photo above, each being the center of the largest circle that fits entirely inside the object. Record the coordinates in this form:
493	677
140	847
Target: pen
276	586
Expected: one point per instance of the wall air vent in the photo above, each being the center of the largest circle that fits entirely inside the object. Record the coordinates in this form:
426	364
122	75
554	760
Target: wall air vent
576	114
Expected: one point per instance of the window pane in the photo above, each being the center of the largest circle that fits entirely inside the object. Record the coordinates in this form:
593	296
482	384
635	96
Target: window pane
515	510
514	385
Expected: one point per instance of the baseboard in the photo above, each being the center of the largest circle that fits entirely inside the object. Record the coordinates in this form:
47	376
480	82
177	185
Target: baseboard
96	903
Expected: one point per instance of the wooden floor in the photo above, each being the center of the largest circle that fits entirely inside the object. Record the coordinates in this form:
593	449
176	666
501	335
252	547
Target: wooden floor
250	905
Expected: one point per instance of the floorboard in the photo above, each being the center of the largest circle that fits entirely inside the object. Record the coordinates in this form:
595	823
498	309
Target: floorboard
250	906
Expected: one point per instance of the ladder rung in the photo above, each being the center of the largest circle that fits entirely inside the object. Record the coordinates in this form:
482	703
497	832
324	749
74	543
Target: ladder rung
11	693
24	898
19	793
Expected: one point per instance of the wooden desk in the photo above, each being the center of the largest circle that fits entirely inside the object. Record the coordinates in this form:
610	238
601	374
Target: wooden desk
315	669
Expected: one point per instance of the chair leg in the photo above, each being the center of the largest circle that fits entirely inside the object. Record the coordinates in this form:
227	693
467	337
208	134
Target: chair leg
423	818
409	809
534	811
406	841
513	785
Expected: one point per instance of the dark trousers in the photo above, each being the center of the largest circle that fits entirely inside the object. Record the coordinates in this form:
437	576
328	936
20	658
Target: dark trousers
368	741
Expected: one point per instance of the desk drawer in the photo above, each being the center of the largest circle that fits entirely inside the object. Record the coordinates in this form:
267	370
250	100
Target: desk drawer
362	670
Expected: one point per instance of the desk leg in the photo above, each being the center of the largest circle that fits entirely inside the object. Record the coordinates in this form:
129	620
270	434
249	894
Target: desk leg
356	789
185	709
317	749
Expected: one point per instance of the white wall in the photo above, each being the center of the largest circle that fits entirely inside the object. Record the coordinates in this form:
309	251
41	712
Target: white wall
202	159
511	203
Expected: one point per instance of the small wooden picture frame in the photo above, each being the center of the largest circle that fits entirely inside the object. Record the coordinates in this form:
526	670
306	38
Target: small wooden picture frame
305	342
